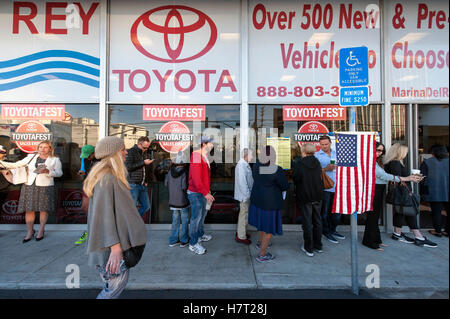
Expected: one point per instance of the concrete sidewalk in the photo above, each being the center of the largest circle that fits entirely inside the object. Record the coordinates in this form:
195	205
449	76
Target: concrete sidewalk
227	264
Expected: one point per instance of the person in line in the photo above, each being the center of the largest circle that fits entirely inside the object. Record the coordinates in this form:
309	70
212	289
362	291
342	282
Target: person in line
38	193
4	183
372	236
394	165
243	183
309	192
435	187
88	159
329	221
266	200
176	181
199	194
114	224
135	162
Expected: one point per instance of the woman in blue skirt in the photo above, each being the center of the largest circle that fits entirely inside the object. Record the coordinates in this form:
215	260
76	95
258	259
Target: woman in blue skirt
266	201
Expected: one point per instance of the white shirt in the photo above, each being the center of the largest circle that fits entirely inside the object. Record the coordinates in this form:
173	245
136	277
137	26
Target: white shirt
243	181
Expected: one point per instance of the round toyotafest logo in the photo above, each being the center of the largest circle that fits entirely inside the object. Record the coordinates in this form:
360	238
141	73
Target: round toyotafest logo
174	34
174	137
29	134
310	132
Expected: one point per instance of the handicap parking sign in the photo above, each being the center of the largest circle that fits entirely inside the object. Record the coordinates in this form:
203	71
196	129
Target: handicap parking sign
354	66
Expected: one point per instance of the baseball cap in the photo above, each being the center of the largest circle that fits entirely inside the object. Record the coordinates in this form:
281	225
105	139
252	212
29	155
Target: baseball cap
205	139
87	150
2	149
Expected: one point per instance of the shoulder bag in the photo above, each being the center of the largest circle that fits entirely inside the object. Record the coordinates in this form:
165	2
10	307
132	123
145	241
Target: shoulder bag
133	255
20	175
327	181
7	175
400	195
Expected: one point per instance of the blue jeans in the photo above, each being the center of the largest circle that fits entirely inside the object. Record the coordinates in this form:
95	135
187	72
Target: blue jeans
140	195
113	284
175	234
329	221
198	214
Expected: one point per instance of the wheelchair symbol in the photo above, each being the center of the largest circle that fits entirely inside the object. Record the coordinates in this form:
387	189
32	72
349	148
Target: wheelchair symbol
353	59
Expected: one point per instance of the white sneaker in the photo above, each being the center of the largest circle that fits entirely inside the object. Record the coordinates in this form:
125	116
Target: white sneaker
197	248
205	238
306	252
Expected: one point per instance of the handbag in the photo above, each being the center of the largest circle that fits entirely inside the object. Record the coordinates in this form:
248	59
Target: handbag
19	175
133	255
327	181
400	195
7	175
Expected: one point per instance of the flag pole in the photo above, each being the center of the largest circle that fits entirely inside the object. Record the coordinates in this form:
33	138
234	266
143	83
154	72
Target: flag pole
354	224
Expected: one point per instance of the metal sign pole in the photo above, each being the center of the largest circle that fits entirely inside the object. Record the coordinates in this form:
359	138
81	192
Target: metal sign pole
354	224
354	91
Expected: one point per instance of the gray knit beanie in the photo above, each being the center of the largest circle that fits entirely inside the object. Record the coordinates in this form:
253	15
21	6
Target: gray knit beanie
108	146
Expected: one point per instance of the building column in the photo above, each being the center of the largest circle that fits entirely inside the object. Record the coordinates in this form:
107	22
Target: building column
244	77
104	69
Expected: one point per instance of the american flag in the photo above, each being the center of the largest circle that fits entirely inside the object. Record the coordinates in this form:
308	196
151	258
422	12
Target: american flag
355	173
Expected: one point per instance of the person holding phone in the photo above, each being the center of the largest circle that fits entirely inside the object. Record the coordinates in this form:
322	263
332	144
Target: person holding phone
394	165
199	194
372	236
327	159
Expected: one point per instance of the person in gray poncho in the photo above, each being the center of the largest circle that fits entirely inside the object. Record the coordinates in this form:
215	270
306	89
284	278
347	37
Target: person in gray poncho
116	234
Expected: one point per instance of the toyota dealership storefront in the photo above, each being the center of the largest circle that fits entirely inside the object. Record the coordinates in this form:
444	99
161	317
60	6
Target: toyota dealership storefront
249	73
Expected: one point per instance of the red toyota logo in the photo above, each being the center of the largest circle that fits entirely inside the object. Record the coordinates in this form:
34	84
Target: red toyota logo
173	54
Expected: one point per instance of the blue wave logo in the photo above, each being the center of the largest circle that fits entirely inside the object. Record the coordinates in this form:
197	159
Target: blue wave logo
9	81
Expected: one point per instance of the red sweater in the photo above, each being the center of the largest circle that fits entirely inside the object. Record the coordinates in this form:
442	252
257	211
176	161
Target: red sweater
199	174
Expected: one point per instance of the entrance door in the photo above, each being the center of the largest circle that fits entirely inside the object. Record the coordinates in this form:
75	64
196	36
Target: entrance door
432	123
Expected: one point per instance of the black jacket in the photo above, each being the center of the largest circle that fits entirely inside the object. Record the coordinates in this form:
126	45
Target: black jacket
396	168
267	188
135	165
307	179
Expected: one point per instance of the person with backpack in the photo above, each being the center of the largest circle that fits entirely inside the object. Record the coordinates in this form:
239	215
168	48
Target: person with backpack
176	181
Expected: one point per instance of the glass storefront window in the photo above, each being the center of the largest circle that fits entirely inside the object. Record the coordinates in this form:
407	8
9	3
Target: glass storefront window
398	123
78	127
127	123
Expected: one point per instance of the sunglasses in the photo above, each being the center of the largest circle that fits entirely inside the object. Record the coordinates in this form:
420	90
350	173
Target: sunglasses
380	150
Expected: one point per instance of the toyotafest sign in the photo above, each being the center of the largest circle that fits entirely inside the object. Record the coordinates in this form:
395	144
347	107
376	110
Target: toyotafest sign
178	53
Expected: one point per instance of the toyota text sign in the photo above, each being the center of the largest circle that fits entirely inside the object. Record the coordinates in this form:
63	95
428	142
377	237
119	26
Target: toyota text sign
184	53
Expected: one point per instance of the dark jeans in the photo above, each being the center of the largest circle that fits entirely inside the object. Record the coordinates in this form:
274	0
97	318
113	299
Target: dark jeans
372	237
329	221
312	225
436	211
